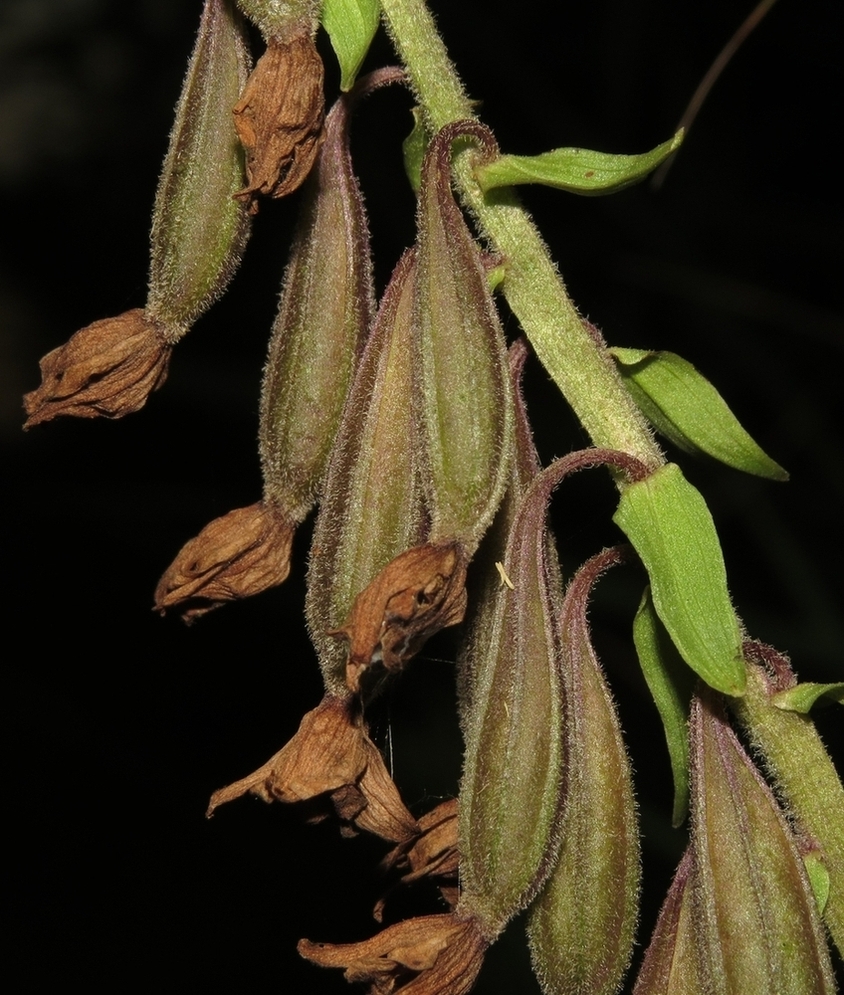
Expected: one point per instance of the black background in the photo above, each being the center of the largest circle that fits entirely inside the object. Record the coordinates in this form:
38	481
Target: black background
121	724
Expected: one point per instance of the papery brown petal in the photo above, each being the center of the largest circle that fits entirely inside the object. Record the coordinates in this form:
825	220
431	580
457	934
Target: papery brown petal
420	592
432	853
107	369
327	753
434	955
385	813
331	760
240	554
279	117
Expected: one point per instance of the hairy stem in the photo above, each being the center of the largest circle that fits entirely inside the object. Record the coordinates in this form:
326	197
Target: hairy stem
533	287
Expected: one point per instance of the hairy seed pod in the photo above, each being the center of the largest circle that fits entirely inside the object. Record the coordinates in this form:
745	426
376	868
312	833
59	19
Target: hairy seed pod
581	927
326	306
757	920
371	508
198	231
465	402
670	965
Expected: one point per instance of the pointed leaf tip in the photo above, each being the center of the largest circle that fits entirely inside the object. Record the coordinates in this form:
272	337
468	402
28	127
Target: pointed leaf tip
682	405
575	170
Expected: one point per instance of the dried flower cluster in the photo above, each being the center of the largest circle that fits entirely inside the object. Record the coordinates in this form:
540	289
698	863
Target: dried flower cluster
404	422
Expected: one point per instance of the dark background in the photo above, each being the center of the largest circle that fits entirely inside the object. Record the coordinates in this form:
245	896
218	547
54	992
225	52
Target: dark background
121	724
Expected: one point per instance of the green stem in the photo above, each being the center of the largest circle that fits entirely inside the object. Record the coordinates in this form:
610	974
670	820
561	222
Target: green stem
534	289
803	770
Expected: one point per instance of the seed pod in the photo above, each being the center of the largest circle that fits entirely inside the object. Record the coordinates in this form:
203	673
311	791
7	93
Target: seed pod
512	780
325	309
581	927
465	403
670	966
488	564
371	507
757	921
512	787
198	231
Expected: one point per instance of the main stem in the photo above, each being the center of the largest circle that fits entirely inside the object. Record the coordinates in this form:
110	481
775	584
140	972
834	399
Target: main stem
532	286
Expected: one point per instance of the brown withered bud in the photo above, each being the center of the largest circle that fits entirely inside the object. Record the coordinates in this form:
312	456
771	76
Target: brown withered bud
240	554
107	369
279	118
431	955
332	764
431	855
418	593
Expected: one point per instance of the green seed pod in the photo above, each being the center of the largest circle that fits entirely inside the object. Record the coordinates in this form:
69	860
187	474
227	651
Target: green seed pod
489	563
198	231
465	402
670	966
326	306
581	927
511	789
757	920
276	18
371	508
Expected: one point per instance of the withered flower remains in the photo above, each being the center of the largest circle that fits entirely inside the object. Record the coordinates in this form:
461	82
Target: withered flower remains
332	763
279	117
431	955
106	369
242	553
420	592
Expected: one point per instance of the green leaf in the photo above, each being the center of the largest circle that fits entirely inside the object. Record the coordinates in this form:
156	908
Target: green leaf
683	406
413	149
576	170
351	25
803	696
671	686
818	878
671	528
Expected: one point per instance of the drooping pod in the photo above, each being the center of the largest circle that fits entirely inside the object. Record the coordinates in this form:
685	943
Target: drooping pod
582	925
463	387
512	790
109	368
325	308
371	508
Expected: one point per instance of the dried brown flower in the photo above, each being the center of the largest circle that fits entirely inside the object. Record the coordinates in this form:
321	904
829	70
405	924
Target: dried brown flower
240	554
432	854
108	368
418	593
279	118
431	955
332	762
